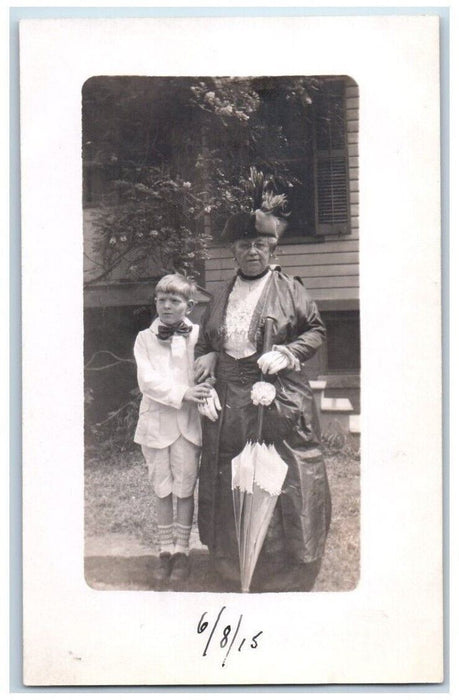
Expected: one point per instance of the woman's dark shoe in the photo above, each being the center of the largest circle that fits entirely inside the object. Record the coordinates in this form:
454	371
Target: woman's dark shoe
180	567
163	570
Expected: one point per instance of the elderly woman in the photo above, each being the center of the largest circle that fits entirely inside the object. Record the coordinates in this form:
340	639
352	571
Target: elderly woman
230	349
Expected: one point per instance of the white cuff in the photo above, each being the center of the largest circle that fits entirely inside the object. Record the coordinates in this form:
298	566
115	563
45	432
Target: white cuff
177	394
293	362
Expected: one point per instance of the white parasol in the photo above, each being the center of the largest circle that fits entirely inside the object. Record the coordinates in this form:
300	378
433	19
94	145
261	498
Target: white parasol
258	474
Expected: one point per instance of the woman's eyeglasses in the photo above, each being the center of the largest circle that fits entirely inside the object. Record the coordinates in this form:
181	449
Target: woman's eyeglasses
247	245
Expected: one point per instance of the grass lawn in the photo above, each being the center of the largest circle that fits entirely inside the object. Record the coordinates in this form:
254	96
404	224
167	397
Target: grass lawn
121	538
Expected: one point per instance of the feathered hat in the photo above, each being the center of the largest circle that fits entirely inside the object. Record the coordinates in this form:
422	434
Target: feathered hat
267	217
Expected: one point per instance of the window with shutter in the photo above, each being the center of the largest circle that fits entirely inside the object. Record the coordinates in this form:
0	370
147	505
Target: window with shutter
331	182
314	151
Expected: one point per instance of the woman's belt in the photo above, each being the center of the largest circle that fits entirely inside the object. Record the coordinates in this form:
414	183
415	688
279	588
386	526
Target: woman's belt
243	371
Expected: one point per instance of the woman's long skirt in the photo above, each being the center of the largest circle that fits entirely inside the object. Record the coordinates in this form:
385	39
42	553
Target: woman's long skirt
282	564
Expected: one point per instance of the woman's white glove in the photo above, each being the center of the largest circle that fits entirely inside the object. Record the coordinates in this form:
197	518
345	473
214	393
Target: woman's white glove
272	362
211	406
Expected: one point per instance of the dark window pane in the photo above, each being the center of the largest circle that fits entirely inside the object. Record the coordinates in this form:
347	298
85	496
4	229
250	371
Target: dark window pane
343	341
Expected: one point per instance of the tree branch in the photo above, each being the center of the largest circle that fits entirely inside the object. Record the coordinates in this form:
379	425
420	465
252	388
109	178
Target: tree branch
112	354
113	415
109	269
112	364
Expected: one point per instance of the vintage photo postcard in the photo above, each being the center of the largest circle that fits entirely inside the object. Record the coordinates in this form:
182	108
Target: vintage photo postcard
232	456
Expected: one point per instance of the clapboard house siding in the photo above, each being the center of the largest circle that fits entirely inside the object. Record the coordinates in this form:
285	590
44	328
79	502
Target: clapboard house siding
329	267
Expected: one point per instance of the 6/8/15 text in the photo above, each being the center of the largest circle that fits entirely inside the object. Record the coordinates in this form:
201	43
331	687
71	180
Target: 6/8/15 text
224	635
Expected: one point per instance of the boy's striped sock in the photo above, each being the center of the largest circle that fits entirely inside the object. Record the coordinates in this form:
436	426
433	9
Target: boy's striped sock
182	538
166	538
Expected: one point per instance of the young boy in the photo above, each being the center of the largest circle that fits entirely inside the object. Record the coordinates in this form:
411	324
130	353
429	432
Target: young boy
169	428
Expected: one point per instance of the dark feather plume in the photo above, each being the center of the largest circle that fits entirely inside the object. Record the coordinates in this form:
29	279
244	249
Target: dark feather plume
260	190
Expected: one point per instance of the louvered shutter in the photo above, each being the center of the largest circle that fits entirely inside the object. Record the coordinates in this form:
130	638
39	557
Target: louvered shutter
331	188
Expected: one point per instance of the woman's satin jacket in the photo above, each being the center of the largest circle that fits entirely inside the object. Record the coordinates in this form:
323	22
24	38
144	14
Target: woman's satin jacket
291	421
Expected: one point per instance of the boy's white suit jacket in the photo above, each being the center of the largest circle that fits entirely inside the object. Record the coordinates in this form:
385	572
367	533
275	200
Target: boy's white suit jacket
164	373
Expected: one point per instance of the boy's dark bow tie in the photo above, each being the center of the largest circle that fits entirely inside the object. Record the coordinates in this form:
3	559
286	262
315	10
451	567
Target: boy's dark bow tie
165	332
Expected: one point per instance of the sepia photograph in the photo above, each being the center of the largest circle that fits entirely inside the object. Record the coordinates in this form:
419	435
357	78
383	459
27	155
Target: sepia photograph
222	335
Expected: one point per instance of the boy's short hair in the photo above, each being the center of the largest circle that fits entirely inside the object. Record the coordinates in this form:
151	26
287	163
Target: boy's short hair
177	284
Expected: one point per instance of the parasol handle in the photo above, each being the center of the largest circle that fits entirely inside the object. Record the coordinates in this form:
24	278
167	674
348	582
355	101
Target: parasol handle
268	334
267	345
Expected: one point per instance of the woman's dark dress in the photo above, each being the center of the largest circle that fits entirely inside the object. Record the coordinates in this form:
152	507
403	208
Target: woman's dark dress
290	557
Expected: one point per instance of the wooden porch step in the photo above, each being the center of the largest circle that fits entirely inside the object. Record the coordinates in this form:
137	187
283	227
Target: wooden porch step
329	405
354	424
318	384
335	414
341	381
318	389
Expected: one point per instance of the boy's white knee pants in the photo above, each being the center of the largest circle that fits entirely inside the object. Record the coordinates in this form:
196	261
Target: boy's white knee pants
173	469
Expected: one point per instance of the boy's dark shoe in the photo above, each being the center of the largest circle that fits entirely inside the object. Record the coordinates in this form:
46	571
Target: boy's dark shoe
163	570
180	567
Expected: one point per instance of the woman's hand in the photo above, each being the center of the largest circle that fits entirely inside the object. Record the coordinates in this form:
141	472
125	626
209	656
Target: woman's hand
272	362
198	393
210	406
204	366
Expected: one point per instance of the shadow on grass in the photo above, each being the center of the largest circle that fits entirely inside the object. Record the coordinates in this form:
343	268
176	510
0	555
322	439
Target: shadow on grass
137	573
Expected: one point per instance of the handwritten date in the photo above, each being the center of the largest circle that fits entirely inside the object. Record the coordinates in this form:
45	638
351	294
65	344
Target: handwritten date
224	636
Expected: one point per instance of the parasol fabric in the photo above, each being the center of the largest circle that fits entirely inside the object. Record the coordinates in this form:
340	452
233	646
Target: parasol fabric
257	482
258	474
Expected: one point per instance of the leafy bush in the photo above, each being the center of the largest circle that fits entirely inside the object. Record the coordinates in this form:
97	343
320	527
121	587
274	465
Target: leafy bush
165	161
116	432
341	443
